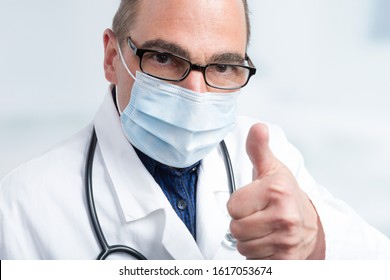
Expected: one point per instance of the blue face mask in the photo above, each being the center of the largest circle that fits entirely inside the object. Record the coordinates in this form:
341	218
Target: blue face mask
173	125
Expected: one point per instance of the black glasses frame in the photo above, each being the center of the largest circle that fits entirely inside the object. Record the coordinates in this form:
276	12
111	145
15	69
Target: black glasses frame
196	67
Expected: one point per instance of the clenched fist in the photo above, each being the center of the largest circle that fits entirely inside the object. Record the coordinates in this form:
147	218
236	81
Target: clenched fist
272	218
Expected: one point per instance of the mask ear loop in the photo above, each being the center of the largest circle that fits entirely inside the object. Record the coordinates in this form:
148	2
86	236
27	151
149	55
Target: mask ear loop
128	71
124	62
117	103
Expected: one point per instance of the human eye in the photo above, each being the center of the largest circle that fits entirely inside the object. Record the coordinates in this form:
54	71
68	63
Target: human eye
225	69
221	68
160	59
164	65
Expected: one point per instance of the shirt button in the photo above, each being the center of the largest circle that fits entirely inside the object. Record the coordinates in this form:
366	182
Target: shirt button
194	169
182	204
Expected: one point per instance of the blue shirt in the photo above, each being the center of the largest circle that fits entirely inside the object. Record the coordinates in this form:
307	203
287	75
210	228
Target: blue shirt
178	185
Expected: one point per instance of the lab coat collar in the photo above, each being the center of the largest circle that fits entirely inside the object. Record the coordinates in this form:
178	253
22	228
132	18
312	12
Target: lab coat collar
131	181
212	194
139	195
136	190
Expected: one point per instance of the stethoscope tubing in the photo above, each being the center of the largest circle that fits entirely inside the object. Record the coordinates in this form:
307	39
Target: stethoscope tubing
229	167
106	249
110	249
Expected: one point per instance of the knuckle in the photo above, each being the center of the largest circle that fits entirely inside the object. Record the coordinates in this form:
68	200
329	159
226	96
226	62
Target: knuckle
286	254
291	242
236	230
291	223
287	249
244	249
281	185
279	189
232	209
286	219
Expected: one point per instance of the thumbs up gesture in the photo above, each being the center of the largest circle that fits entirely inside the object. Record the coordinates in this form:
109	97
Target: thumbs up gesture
272	218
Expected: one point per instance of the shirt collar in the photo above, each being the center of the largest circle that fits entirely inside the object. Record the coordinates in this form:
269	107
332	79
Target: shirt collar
151	165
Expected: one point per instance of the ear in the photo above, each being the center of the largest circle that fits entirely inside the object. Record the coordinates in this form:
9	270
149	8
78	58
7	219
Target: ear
110	53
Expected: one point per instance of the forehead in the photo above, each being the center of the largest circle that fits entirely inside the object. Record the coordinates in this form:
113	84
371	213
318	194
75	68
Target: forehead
203	27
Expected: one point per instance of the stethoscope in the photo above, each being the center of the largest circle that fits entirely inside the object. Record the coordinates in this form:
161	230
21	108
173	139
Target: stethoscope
107	249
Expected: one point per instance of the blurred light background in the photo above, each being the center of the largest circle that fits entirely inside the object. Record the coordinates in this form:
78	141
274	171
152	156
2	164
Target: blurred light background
323	76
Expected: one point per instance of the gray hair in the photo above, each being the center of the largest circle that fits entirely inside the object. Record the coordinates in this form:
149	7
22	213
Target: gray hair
126	15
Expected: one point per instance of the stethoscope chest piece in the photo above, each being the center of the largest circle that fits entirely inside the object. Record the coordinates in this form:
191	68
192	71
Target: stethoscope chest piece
229	241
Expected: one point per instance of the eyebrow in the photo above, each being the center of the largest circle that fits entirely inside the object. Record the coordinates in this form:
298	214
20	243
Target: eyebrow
165	46
234	58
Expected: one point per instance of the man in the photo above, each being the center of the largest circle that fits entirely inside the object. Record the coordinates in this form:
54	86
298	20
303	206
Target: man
158	179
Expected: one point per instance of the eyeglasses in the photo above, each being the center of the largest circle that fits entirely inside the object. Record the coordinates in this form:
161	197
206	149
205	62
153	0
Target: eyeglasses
170	67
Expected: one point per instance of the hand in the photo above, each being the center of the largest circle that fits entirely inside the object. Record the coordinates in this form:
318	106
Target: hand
272	218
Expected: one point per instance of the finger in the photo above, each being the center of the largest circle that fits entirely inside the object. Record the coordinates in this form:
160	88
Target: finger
257	249
272	246
249	199
257	225
259	153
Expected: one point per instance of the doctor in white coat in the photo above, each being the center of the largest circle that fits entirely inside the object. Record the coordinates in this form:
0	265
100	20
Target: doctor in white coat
175	68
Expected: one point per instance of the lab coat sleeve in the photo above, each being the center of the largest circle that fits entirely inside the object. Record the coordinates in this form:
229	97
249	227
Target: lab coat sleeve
347	235
36	221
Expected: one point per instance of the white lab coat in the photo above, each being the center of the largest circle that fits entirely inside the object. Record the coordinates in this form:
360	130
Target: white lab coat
43	212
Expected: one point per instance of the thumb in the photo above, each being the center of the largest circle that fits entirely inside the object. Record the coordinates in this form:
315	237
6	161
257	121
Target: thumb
259	153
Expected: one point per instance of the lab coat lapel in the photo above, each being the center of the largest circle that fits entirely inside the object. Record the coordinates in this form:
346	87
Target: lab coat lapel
137	192
132	182
212	195
178	241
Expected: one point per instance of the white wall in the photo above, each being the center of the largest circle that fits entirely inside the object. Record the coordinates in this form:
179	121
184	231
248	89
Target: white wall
322	76
51	72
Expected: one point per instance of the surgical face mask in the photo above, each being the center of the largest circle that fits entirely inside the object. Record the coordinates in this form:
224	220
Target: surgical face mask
173	125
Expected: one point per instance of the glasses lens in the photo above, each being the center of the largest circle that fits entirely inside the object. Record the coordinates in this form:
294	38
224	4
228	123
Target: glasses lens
164	65
174	68
226	76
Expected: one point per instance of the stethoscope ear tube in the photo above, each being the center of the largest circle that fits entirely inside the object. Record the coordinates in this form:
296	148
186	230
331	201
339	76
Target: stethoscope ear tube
106	249
229	167
89	192
229	240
